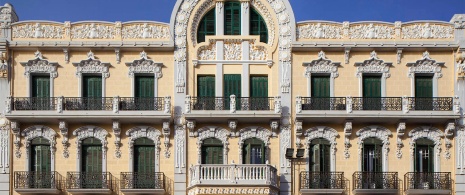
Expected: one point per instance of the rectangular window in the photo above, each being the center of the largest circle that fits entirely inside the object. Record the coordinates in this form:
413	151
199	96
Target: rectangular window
320	156
205	93
92	86
259	93
423	93
320	92
232	18
371	93
372	158
144	86
41	165
424	158
232	86
145	159
92	159
40	93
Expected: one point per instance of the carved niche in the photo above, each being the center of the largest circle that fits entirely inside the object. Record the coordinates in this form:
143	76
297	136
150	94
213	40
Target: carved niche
92	65
88	132
373	65
425	65
40	65
427	31
144	65
322	65
212	132
260	133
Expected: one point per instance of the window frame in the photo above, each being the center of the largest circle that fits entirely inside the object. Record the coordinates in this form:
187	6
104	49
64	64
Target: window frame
204	21
231	6
260	22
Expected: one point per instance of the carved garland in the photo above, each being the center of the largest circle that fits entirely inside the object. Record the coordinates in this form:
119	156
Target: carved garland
254	132
36	131
87	132
431	133
379	132
40	65
213	132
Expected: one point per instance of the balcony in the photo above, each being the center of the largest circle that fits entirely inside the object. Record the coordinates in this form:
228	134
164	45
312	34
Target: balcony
83	109
428	183
375	183
30	182
89	183
321	183
247	109
142	183
383	109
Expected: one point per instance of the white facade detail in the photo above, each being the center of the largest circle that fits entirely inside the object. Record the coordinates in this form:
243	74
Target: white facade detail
37	131
260	133
212	132
373	65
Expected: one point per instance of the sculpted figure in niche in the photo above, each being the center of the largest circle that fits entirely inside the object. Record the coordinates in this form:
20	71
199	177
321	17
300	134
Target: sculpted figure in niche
371	33
426	33
319	31
39	31
93	31
146	31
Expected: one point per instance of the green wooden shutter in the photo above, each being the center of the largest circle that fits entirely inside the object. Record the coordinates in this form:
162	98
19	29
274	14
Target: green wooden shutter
92	86
258	26
145	86
207	26
206	86
145	159
40	156
232	17
41	86
320	86
232	85
258	86
423	86
371	86
91	155
212	151
253	152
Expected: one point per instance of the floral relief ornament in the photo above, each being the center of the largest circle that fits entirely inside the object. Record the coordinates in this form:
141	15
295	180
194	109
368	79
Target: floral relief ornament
145	31
319	31
427	31
38	30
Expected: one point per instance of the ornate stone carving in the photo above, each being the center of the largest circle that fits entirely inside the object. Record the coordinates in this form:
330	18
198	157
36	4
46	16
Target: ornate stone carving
373	65
39	131
449	134
371	31
460	156
91	131
66	52
277	104
144	65
143	132
319	31
298	127
40	65
63	126
257	52
427	31
266	15
399	55
212	132
346	54
16	139
274	124
167	101
145	31
347	134
285	139
93	31
117	132
425	65
327	133
4	147
321	65
232	50
428	132
400	133
38	30
459	21
374	131
179	139
260	133
201	11
190	125
233	190
92	65
207	52
166	135
118	55
232	124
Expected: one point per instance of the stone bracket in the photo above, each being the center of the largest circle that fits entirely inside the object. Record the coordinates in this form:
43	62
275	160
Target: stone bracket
347	134
190	125
117	132
63	126
15	128
166	135
401	126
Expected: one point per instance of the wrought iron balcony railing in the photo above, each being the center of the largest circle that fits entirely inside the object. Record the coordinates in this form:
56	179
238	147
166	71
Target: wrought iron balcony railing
89	180
245	174
428	180
208	103
38	180
88	103
374	103
432	103
375	180
233	103
254	103
33	103
330	103
321	180
134	180
139	103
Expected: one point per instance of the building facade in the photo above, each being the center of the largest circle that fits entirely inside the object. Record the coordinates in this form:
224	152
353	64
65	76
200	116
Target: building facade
217	101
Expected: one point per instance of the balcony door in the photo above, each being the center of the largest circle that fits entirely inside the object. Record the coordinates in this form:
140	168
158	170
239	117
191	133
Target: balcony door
319	176
372	155
41	175
92	93
259	93
144	164
253	152
40	93
424	158
205	93
91	164
320	86
232	86
371	93
212	151
144	93
423	93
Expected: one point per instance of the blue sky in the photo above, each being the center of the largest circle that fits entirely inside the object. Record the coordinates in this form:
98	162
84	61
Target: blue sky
160	10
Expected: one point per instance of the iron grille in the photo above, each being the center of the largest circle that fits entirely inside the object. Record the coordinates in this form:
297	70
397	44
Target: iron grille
88	103
375	180
140	103
38	180
431	103
377	103
428	180
319	103
34	103
255	103
89	180
321	180
134	180
209	103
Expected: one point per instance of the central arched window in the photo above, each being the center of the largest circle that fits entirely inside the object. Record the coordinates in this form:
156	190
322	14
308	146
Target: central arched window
372	155
91	164
144	164
207	26
212	151
258	26
319	154
41	164
232	18
424	156
253	152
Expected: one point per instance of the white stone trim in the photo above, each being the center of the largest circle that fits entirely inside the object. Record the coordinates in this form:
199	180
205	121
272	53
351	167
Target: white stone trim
260	133
431	133
144	66
36	131
378	132
5	148
321	65
89	131
91	66
212	132
425	65
39	65
144	132
373	65
322	132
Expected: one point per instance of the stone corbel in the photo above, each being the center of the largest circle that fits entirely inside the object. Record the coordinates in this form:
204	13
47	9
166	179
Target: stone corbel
399	55
187	104
117	132
17	140
298	133
63	126
269	63
298	104
347	55
166	135
449	133
190	125
347	134
232	124
167	100
66	52
118	55
274	124
400	133
277	105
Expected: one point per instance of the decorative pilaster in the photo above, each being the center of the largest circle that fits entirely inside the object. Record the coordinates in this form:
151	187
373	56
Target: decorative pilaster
63	126
16	140
117	132
166	135
4	144
400	133
347	55
347	134
449	134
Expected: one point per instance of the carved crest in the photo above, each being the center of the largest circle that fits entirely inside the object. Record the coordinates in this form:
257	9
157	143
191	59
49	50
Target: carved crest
425	65
322	65
373	65
144	65
92	65
40	65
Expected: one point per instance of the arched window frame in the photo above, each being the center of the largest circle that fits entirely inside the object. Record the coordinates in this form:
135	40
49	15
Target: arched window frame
144	132
378	132
204	21
259	22
90	131
322	132
38	131
212	132
431	133
260	133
